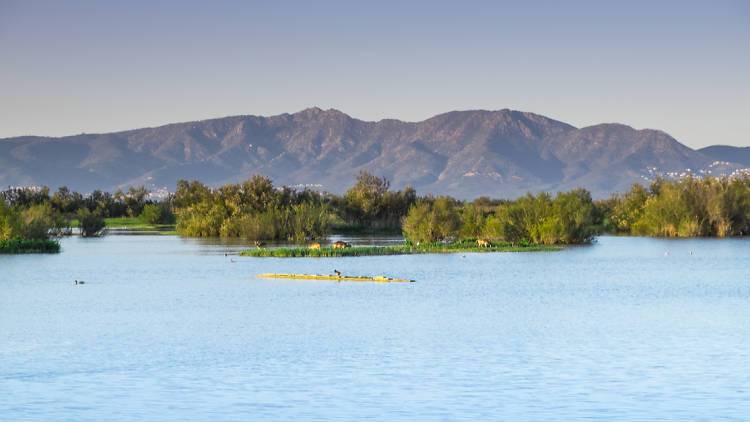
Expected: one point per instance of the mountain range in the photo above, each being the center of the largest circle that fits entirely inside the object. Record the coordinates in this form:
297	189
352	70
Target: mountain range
466	154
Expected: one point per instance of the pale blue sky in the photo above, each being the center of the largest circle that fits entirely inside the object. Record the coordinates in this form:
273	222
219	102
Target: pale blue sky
99	66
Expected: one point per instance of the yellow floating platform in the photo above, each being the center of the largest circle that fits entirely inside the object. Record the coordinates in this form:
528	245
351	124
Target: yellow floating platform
379	279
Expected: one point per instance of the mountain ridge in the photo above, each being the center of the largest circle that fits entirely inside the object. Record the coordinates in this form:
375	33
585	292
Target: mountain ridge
464	153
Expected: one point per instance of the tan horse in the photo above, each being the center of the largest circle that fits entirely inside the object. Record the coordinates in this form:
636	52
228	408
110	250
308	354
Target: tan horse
483	243
341	245
314	246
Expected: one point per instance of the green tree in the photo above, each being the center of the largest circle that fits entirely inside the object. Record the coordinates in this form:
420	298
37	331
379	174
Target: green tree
364	202
37	222
9	222
189	194
629	208
417	225
430	222
573	214
472	221
157	214
91	224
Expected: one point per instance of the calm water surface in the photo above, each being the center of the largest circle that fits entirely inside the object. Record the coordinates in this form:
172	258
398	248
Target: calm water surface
170	329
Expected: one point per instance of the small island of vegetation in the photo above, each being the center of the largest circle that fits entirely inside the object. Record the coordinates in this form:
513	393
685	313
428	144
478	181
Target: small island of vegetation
464	245
28	230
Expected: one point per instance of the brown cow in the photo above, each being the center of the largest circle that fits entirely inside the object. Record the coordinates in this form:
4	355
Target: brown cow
314	246
483	243
259	244
341	245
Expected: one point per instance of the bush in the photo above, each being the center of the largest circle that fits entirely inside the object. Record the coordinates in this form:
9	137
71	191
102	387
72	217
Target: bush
252	210
17	245
34	222
91	224
157	214
431	222
37	222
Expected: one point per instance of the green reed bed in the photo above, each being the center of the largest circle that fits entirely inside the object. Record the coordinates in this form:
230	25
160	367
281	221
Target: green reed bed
21	246
390	250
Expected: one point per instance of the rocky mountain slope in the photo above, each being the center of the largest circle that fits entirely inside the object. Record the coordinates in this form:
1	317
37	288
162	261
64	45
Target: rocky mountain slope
461	153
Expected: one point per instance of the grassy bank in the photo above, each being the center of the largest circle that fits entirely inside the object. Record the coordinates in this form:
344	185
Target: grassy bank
21	246
391	250
133	223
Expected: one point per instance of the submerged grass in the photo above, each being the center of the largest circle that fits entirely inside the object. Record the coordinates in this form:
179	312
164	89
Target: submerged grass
390	250
21	246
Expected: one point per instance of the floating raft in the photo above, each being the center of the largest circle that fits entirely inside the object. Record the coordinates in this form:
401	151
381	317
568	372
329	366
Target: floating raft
379	279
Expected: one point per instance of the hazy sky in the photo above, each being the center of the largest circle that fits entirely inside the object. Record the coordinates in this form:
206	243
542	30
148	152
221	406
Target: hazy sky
68	67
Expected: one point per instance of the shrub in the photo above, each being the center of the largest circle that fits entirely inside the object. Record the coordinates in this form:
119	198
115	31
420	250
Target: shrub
157	214
17	245
36	222
91	224
431	222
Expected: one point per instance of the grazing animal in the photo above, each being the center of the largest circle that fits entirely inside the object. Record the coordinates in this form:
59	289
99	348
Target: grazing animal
259	244
314	246
341	245
79	282
483	243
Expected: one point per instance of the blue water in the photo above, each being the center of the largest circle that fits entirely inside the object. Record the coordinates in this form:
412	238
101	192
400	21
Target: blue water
170	329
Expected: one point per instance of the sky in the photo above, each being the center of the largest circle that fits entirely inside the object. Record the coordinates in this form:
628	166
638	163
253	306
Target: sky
69	67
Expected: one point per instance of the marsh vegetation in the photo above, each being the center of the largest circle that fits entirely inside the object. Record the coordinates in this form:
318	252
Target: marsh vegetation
465	245
256	210
27	230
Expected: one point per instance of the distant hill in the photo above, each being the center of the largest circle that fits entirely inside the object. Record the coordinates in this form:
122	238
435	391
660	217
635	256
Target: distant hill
466	154
740	155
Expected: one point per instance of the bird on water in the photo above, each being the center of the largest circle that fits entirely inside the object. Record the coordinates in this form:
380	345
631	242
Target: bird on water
79	282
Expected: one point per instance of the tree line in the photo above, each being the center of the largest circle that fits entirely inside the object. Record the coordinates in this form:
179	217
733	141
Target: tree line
253	209
667	208
568	218
688	207
257	210
129	203
36	213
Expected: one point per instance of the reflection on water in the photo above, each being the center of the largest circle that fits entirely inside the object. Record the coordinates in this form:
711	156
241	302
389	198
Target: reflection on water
167	328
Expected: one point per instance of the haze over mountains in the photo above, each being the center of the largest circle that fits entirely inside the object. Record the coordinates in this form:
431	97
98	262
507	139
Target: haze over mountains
466	154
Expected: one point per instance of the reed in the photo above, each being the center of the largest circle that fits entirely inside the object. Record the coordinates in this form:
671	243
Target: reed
391	250
20	246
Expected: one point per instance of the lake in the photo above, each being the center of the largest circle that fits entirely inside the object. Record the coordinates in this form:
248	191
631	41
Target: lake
171	329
